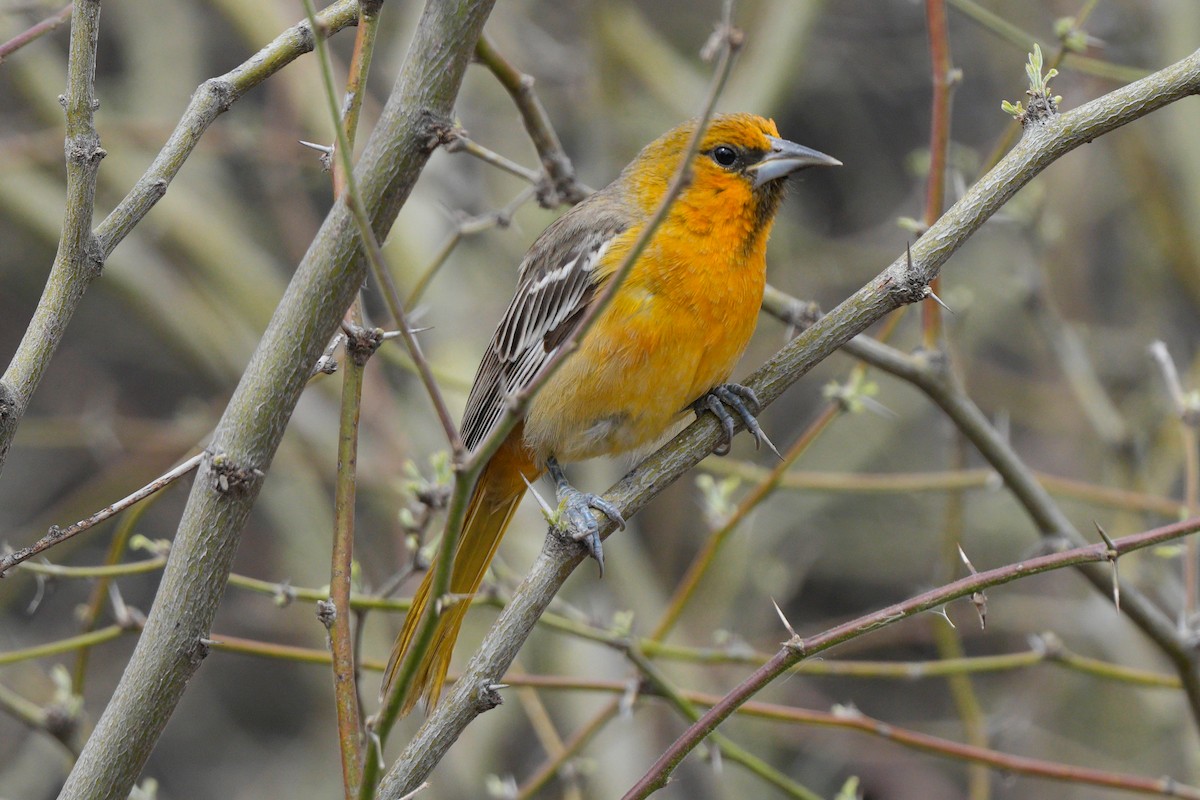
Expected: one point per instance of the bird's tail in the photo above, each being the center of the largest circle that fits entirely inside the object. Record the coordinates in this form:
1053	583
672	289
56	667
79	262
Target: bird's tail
495	499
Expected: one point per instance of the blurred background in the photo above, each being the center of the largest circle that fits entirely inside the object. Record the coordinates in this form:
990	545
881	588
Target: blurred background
1055	301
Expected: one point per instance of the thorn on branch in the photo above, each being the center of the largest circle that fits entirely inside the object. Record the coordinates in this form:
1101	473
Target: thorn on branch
714	758
979	599
929	294
910	285
326	152
487	696
941	612
782	618
1111	555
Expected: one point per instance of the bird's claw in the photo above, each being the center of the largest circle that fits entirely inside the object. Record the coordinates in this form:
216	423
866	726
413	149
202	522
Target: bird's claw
743	402
575	515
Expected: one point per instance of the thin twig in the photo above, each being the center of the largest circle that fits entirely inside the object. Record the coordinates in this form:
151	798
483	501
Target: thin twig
35	32
360	344
855	720
107	571
944	79
1016	36
90	639
211	99
78	261
349	194
931	374
1027	43
459	142
57	535
560	186
356	84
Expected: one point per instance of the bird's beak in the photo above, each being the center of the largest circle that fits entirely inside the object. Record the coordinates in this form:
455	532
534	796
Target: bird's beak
786	157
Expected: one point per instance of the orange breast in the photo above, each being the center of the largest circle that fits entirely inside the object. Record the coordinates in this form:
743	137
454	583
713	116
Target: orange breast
676	329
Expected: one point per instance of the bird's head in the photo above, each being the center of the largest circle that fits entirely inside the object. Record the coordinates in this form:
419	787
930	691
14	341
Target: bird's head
741	163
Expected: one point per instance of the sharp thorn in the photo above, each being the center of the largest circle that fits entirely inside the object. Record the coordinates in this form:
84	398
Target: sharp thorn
787	625
547	512
325	149
931	296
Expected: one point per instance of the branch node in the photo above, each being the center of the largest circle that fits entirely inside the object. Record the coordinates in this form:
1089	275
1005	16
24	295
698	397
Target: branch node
221	91
909	284
231	478
436	131
199	650
93	256
326	613
307	37
486	696
85	149
361	343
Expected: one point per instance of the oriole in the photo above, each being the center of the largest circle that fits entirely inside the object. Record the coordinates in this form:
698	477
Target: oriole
666	344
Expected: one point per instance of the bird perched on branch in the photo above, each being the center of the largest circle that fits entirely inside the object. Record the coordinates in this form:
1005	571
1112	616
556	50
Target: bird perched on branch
665	344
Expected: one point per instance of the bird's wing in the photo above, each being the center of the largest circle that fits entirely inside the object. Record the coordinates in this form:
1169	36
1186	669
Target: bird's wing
558	280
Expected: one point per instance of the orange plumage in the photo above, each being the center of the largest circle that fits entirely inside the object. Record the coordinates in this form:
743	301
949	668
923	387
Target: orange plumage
673	333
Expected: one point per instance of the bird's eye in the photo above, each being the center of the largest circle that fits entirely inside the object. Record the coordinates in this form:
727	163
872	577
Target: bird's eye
724	155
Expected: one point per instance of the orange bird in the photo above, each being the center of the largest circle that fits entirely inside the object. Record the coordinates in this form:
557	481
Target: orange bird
665	345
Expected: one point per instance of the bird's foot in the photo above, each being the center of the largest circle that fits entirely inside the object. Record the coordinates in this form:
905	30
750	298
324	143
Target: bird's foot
744	403
575	515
